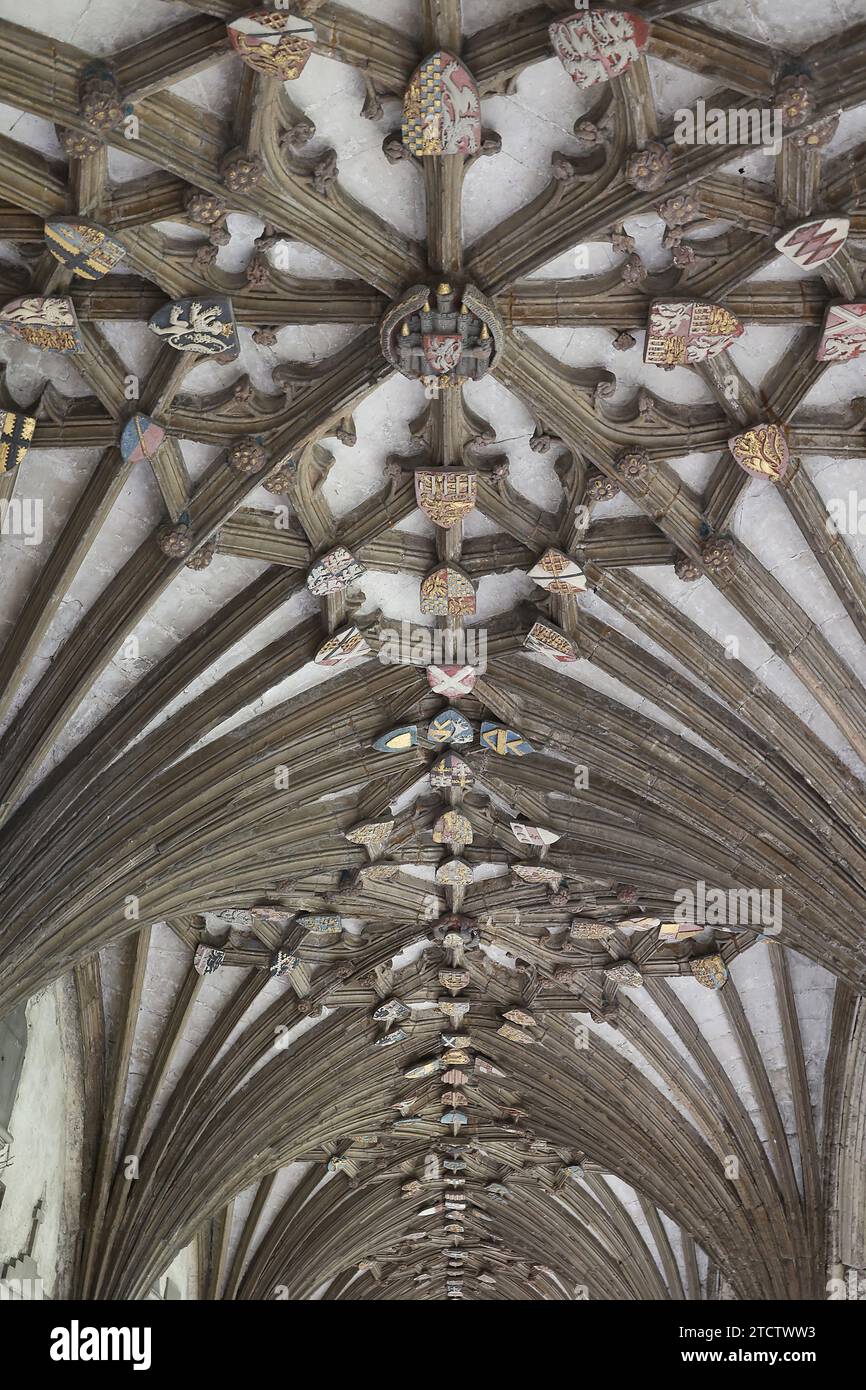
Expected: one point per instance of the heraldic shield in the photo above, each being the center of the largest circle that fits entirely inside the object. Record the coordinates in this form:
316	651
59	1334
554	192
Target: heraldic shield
273	42
198	325
597	45
16	435
843	336
442	108
43	321
683	332
445	494
83	247
762	450
813	243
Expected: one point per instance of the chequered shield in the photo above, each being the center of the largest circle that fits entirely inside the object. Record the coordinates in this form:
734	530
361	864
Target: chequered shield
441	108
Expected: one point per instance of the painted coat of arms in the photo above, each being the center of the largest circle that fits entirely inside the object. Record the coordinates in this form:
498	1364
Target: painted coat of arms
448	592
140	439
198	325
441	337
682	332
342	647
709	971
558	573
449	726
549	641
372	834
397	740
445	495
273	42
451	681
506	742
451	771
762	450
452	828
83	247
843	336
392	1011
320	923
533	834
813	243
282	963
538	873
442	108
207	959
43	321
597	45
334	572
16	435
454	873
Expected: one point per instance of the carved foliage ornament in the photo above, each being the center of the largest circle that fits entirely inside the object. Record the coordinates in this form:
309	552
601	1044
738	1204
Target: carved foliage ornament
682	332
273	42
649	168
442	337
442	108
597	45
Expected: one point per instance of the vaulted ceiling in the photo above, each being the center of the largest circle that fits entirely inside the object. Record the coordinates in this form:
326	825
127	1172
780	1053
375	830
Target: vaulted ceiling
177	771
